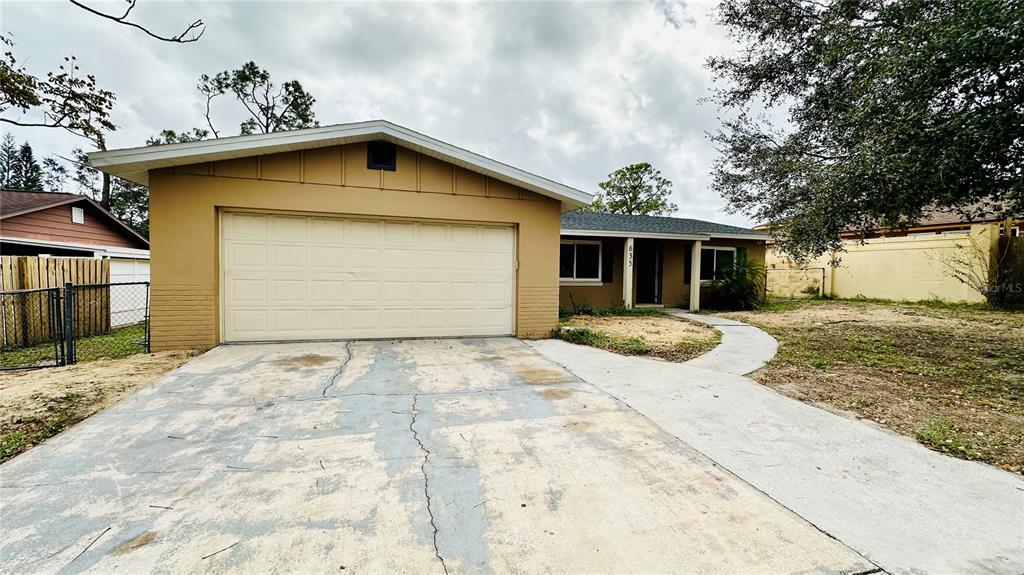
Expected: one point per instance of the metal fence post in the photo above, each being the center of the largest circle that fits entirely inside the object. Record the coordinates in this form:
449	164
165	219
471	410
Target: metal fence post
69	323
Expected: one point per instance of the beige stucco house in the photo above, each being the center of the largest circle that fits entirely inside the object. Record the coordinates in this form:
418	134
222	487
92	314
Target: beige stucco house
361	230
609	260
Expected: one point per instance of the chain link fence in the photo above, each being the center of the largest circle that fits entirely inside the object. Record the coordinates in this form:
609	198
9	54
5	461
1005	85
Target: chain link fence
62	326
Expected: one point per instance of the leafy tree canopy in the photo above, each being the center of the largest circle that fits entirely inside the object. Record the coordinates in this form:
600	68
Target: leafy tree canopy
64	98
270	108
893	108
635	189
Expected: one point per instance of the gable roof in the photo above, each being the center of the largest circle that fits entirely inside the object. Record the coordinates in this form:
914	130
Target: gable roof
596	223
19	202
134	163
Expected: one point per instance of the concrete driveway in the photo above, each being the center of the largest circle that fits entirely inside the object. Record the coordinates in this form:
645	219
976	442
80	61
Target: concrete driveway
457	456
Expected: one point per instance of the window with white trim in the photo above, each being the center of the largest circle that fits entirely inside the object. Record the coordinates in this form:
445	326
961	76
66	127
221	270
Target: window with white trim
579	260
713	260
77	216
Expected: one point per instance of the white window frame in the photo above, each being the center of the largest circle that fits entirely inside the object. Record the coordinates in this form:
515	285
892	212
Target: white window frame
714	265
77	215
582	281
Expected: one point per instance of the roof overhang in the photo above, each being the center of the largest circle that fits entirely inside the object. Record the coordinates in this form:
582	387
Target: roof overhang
134	164
97	250
657	236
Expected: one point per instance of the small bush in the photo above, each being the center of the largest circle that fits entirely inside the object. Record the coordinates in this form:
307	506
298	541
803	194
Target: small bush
742	284
584	336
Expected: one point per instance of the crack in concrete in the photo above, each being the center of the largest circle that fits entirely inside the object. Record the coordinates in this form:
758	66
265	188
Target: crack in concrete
426	478
340	370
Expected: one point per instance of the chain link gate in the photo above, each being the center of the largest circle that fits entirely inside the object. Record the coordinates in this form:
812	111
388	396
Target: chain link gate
62	326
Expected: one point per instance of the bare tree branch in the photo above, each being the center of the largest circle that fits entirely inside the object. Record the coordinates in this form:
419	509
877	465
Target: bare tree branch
193	32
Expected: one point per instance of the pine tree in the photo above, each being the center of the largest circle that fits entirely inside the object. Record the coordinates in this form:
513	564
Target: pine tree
8	156
28	175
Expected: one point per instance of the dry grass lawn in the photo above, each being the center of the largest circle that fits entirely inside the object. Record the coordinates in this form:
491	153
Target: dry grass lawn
663	336
37	404
950	376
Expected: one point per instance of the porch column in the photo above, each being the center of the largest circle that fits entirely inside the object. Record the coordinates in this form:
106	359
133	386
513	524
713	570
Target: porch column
627	274
695	276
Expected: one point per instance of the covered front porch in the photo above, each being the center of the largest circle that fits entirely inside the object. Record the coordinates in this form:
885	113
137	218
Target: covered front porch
631	271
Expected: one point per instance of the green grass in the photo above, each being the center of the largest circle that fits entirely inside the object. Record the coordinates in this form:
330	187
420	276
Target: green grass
946	436
60	414
625	346
120	342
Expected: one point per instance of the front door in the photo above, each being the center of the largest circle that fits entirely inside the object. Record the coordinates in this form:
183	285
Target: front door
648	271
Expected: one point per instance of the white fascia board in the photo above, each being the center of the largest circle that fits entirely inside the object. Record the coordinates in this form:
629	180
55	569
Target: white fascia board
134	163
98	251
642	235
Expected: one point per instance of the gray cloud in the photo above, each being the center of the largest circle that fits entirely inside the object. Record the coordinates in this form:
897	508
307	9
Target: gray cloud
569	91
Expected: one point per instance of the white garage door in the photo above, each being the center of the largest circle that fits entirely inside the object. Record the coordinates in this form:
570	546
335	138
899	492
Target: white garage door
288	277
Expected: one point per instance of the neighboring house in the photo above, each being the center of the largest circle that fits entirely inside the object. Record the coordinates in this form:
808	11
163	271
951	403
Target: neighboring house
70	225
659	256
904	264
365	230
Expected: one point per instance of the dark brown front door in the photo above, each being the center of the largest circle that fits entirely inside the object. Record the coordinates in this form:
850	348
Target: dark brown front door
648	271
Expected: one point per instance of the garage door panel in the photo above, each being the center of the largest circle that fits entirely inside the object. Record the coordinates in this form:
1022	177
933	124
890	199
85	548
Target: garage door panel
327	322
398	232
326	229
327	258
246	254
362	320
431	261
436	319
363	230
363	258
288	291
285	256
326	291
248	291
432	234
318	277
399	260
289	227
467	318
252	226
288	321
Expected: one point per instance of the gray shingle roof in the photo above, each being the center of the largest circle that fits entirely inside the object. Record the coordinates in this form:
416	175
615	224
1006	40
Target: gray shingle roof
595	221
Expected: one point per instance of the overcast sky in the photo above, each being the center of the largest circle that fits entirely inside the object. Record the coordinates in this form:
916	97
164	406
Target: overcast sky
568	91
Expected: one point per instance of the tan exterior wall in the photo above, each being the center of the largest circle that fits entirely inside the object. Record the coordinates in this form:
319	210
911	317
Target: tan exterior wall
906	268
675	290
184	230
608	294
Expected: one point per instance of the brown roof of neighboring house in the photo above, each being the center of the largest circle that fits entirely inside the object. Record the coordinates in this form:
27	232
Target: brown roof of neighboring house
19	202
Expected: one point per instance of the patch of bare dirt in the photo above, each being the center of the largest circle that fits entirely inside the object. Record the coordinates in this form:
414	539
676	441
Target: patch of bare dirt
656	330
36	404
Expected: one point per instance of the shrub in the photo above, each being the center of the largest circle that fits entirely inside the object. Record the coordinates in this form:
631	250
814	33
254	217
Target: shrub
742	284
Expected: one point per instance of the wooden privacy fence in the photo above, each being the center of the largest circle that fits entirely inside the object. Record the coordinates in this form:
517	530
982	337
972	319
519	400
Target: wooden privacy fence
31	272
28	315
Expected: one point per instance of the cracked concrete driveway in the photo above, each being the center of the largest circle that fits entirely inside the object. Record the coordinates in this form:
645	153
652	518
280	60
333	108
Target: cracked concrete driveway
456	456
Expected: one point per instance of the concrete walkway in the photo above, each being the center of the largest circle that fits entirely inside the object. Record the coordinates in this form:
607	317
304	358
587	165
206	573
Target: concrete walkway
744	348
906	508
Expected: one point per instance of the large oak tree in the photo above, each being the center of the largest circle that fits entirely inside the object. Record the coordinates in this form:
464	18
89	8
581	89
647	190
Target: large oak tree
893	107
